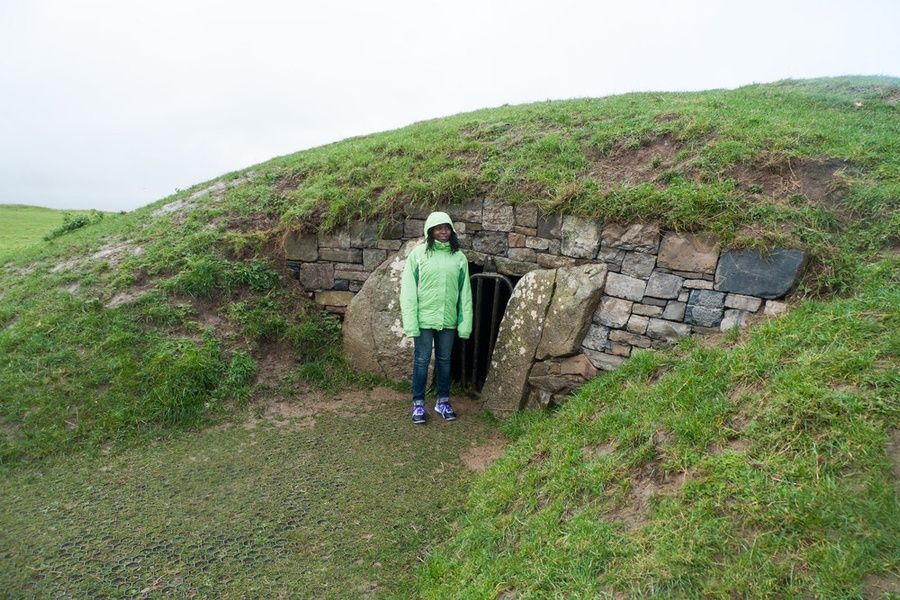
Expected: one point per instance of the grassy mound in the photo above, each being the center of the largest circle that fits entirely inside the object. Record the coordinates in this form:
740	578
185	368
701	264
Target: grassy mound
753	469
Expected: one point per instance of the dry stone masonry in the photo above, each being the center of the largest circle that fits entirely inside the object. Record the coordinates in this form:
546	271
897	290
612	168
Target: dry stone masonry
591	293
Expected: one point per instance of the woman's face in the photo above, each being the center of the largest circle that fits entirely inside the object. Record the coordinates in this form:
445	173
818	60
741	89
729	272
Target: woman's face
441	232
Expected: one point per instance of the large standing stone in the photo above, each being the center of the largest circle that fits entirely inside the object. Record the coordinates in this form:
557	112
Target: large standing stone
749	272
577	293
640	236
518	338
580	237
623	286
300	246
498	216
373	330
694	252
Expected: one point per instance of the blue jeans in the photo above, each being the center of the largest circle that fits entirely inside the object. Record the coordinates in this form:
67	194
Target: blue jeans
443	347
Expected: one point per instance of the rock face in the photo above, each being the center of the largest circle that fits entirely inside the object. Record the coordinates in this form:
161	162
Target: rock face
518	339
298	246
580	237
577	293
749	272
373	331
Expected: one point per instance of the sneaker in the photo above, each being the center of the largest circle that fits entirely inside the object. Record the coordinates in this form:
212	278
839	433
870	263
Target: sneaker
444	409
418	414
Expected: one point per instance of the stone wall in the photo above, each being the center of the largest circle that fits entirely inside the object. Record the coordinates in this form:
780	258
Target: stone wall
659	286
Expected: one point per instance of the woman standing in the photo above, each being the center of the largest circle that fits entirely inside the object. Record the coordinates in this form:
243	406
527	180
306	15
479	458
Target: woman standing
436	304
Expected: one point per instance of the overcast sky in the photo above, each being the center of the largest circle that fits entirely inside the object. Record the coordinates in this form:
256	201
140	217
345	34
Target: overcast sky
114	104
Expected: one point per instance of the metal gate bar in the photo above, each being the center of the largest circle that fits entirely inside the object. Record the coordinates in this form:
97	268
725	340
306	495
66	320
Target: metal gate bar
478	281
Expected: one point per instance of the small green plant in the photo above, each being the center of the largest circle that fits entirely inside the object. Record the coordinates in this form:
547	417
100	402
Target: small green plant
72	222
656	162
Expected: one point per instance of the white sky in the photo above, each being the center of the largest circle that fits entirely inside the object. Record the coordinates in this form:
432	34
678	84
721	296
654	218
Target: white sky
114	104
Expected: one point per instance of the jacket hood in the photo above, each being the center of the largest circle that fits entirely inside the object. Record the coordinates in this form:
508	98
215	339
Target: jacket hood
437	218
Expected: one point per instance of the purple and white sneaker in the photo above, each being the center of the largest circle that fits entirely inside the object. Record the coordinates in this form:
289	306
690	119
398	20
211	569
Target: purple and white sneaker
418	414
444	409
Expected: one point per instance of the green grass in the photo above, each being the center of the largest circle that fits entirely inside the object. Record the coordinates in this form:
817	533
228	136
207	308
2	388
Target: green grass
22	226
332	505
123	342
757	470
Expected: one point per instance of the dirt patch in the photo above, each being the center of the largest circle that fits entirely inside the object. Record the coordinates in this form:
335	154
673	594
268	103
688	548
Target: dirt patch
214	191
126	297
813	178
642	489
893	452
893	99
479	458
273	364
882	585
114	253
597	451
65	265
633	166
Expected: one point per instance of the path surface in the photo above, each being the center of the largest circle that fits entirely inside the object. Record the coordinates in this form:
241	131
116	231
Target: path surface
319	498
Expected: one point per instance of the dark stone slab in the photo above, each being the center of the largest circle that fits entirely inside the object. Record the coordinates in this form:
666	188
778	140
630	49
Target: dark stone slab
707	298
549	226
751	273
704	316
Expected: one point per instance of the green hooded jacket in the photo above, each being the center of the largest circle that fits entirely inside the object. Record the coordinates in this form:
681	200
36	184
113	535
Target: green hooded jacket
435	292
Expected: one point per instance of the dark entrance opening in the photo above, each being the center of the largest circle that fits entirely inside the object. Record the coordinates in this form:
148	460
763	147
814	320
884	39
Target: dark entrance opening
471	358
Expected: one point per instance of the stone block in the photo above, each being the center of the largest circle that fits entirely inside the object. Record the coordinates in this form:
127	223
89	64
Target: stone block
554	247
623	286
580	237
334	298
741	302
704	316
752	273
683	296
351	275
497	216
527	215
355	286
514	268
316	276
654	301
372	257
604	361
620	335
392	230
300	246
392	245
774	309
515	240
619	349
341	285
612	312
460	227
663	285
474	257
335	239
637	264
667	331
549	226
536	243
552	261
637	324
575	297
697	284
363	234
734	318
343	255
639	236
467	211
708	298
674	311
523	254
647	310
596	338
490	242
688	252
465	241
526	231
414	228
611	256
